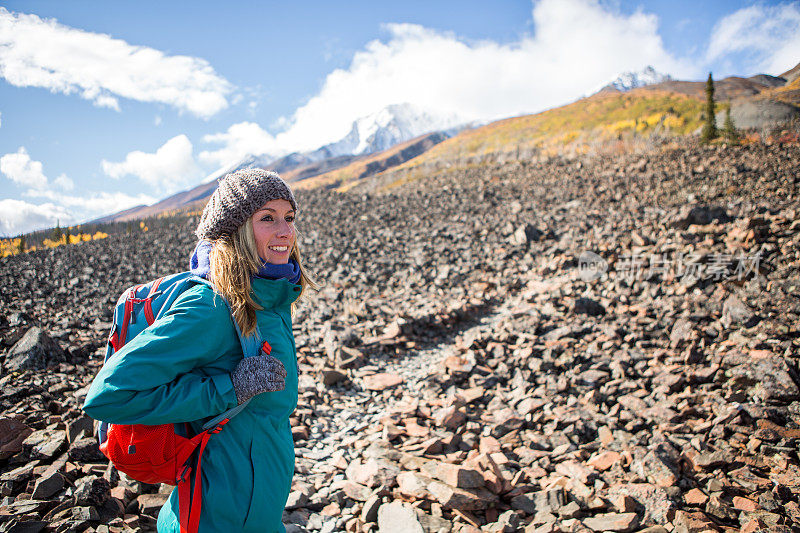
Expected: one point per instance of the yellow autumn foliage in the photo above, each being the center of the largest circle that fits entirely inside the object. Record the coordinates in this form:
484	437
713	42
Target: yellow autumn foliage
12	246
621	125
9	247
654	119
50	243
569	137
674	122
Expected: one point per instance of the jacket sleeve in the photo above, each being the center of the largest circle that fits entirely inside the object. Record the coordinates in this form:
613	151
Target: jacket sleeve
175	370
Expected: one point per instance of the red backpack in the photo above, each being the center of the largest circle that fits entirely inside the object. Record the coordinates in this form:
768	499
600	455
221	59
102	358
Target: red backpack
160	454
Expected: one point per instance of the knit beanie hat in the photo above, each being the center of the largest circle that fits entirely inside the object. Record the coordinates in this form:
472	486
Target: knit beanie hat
238	196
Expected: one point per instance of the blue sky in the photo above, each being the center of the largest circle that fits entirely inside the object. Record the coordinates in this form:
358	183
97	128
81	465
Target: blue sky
107	105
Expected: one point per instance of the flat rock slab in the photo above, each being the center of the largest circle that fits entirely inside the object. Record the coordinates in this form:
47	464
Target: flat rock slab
621	522
455	475
382	381
356	491
540	502
47	485
461	499
413	484
398	517
373	472
45	443
657	504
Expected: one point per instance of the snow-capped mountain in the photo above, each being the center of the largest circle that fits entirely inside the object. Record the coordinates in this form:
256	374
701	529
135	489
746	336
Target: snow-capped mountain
375	132
633	80
385	128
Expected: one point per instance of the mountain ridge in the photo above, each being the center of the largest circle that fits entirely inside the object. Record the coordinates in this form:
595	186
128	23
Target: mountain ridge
668	106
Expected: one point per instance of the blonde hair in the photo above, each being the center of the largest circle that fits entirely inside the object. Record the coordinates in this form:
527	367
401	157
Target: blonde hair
234	259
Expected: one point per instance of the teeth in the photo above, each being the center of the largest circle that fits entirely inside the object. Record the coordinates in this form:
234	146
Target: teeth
279	248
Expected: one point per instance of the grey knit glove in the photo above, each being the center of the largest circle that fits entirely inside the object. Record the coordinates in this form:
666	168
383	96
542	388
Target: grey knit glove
254	375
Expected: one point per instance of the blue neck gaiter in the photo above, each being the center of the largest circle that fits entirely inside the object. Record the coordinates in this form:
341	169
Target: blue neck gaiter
290	271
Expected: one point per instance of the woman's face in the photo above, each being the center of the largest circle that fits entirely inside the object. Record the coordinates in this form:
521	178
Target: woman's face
273	228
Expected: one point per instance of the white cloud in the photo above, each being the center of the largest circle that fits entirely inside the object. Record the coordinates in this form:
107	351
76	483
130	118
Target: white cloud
240	139
20	168
94	205
768	37
576	46
17	216
106	100
64	182
169	168
37	52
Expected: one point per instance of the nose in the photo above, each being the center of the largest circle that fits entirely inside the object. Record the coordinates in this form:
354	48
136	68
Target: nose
285	229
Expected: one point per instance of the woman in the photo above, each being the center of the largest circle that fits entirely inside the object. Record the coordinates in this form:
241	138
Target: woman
188	366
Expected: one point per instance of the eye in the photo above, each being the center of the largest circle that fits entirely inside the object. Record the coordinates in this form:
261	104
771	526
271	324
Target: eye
290	218
266	218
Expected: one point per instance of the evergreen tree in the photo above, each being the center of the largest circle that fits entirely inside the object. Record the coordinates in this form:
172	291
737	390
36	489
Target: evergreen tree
57	232
22	244
67	234
709	132
729	130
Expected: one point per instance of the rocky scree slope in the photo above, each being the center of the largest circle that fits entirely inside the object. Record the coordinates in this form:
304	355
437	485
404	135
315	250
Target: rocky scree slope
459	371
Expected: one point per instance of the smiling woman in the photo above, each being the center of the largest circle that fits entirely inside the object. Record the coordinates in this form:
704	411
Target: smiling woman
188	366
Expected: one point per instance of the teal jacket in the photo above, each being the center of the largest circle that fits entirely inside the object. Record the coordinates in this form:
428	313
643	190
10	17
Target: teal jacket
178	370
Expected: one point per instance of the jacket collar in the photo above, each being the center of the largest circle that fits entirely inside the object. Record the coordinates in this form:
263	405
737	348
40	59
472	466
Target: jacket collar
274	293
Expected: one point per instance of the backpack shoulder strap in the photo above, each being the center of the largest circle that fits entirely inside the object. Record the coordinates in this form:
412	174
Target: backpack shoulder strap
251	346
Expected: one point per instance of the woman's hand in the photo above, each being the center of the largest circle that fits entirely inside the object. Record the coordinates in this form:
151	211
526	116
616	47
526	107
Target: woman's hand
254	375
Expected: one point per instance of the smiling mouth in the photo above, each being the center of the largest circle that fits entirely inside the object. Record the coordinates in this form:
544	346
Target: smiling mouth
279	249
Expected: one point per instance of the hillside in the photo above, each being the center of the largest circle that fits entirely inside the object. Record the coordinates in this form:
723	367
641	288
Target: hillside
791	74
365	167
724	89
789	93
522	346
309	170
579	126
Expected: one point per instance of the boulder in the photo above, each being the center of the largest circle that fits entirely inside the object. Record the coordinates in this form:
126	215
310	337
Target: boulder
34	351
699	214
762	112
